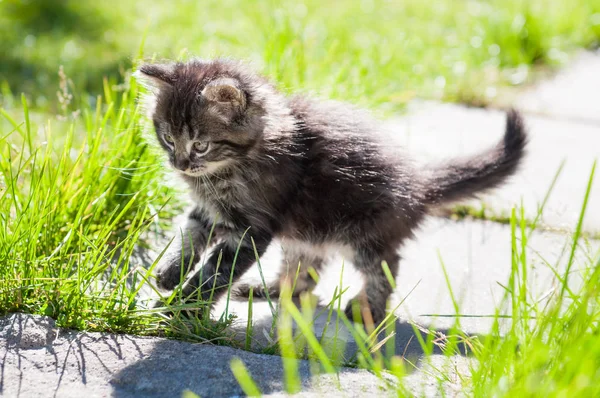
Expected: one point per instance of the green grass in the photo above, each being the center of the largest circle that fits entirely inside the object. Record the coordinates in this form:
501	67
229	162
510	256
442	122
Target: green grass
74	199
373	52
557	355
81	190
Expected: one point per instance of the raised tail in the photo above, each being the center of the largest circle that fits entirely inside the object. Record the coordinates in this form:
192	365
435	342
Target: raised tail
463	178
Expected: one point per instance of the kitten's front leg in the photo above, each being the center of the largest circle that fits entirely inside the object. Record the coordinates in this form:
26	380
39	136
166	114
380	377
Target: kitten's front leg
213	279
185	250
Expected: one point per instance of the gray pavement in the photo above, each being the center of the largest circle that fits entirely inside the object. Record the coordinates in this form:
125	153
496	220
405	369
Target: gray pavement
572	94
39	360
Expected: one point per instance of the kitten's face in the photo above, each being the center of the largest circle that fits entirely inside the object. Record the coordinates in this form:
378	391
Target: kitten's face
192	151
202	118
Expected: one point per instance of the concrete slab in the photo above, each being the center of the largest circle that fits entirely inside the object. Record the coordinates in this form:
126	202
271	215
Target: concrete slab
440	131
574	93
477	258
39	360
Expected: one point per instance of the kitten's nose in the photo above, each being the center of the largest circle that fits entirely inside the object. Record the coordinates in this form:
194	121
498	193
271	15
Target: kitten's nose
182	164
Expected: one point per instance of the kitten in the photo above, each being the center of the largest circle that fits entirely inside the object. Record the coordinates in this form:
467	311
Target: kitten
313	174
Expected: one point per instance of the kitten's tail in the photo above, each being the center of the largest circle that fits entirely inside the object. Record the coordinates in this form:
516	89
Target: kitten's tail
463	178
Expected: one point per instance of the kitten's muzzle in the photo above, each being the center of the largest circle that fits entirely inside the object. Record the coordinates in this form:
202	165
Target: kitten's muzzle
181	164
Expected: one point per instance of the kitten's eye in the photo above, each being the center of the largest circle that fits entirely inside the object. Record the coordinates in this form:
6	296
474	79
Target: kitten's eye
201	147
169	138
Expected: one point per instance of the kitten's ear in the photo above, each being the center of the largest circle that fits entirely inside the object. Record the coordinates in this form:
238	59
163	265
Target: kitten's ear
155	76
225	91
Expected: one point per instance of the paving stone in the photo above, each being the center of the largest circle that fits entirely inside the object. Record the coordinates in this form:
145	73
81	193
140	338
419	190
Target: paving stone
574	93
100	365
440	131
477	258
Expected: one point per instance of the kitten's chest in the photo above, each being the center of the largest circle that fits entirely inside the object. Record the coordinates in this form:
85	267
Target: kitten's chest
223	199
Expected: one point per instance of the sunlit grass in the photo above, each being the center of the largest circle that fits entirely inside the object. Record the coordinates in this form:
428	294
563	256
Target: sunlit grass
75	196
552	346
374	52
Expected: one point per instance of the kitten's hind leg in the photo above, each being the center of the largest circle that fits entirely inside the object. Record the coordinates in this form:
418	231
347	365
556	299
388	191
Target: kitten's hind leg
372	299
294	272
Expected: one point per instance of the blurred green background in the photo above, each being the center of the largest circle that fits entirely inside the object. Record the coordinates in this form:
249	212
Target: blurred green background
371	52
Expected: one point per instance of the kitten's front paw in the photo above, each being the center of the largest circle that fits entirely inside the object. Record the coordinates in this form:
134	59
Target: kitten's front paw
169	273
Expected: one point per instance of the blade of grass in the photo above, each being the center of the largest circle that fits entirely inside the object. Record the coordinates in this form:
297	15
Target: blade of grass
244	378
578	229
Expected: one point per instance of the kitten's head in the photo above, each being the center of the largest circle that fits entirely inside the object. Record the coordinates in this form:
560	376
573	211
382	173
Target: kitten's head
207	115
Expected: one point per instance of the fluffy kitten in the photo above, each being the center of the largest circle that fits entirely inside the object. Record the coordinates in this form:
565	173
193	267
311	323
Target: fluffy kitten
313	174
